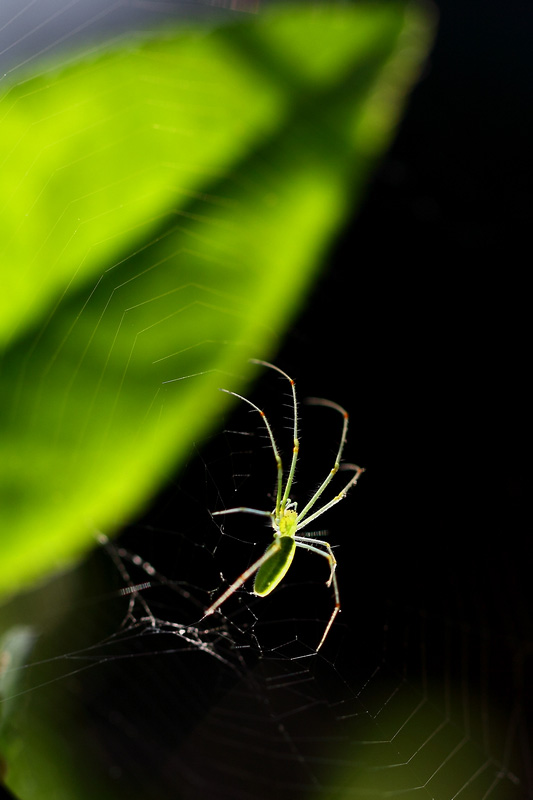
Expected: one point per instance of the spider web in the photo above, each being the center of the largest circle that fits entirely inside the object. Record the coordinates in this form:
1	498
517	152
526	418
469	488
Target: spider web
421	689
403	700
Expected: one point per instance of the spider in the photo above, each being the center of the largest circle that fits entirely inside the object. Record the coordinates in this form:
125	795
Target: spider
286	520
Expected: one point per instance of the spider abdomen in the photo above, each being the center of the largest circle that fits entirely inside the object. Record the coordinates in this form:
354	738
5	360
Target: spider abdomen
274	569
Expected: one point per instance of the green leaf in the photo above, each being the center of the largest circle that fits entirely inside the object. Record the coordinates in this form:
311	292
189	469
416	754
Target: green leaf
165	208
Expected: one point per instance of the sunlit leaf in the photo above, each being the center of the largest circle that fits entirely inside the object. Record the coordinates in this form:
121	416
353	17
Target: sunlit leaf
165	208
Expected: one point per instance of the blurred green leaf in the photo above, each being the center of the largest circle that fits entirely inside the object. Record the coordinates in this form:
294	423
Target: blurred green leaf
15	646
165	207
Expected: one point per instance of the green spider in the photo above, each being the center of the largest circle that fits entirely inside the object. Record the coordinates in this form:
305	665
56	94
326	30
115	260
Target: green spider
273	565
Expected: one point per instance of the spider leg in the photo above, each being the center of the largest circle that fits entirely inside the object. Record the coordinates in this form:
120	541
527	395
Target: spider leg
318	535
296	443
302	542
279	466
316	401
342	494
239	582
242	510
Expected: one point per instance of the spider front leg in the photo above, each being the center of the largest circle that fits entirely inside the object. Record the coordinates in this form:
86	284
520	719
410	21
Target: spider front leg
342	494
